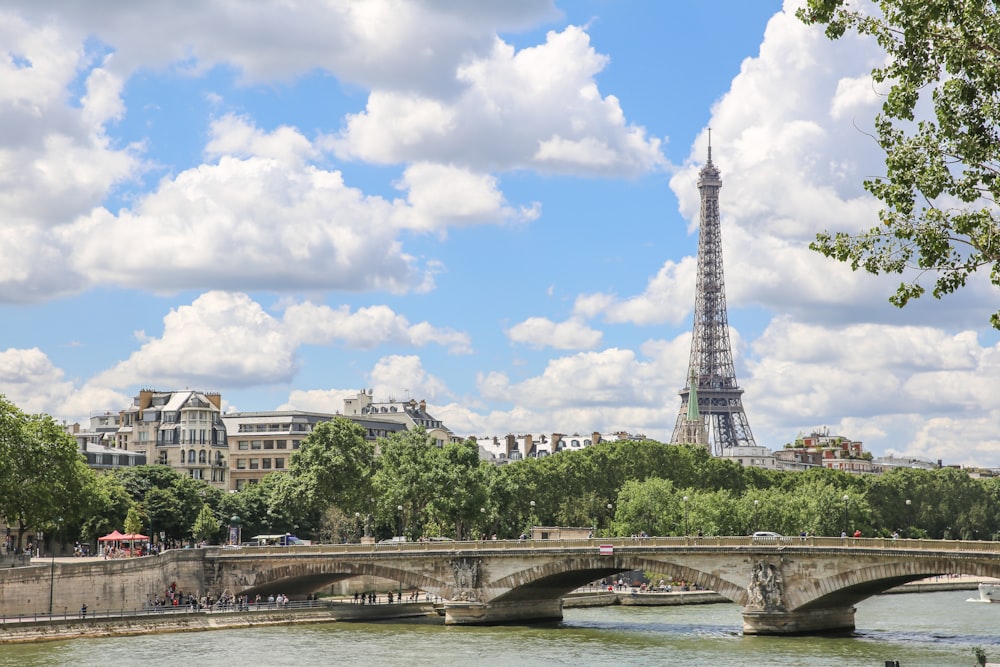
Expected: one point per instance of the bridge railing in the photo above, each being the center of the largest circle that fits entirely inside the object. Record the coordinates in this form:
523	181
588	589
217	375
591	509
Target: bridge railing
722	541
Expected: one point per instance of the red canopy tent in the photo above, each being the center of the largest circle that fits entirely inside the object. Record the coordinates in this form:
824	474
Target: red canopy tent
113	536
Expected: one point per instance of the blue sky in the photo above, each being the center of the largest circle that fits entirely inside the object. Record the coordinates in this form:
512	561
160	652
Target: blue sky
490	206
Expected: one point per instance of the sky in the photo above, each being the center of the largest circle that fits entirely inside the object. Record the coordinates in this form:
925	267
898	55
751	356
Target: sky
489	206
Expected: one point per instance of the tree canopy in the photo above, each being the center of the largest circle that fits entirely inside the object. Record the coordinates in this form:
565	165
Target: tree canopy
942	179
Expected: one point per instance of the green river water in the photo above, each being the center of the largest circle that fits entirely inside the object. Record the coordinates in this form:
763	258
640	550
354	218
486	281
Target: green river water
925	629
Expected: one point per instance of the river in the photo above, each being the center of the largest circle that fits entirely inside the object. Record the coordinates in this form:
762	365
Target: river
921	629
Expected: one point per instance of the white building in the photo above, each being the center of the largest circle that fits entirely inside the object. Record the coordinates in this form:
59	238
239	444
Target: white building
180	429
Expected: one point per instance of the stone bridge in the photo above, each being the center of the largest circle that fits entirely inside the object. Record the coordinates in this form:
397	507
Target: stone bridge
785	586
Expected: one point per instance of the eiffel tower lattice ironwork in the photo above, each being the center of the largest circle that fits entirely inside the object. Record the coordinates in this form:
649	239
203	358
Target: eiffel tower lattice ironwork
718	397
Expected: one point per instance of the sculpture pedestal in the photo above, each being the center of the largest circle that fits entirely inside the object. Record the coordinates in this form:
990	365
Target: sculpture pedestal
801	622
495	613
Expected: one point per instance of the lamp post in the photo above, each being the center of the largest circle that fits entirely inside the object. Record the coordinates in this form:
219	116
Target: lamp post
909	515
846	500
399	508
753	528
685	515
611	509
52	568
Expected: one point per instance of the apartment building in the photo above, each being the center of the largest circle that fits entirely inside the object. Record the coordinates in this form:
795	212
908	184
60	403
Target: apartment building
263	442
180	429
410	413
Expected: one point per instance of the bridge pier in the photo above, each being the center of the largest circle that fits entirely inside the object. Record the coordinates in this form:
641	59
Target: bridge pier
495	613
799	622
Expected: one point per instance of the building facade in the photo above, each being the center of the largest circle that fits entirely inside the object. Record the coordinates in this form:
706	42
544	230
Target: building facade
180	429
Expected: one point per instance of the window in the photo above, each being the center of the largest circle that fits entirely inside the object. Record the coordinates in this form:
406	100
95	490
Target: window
241	464
281	444
255	444
191	455
163	458
265	464
296	443
202	457
254	464
269	444
243	445
279	464
240	483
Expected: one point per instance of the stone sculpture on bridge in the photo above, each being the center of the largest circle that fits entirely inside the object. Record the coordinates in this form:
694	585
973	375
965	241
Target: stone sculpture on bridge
466	578
764	590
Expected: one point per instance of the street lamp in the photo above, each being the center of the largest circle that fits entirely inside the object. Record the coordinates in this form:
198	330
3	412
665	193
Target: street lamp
52	568
399	508
909	514
846	500
685	515
756	503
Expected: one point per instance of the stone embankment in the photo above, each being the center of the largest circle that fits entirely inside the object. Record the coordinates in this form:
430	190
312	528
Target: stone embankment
16	631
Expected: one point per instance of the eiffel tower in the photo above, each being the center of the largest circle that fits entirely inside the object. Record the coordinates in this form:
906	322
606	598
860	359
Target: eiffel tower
711	378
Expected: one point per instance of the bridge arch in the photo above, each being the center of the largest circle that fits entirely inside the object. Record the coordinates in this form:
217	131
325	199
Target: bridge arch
556	579
298	578
851	586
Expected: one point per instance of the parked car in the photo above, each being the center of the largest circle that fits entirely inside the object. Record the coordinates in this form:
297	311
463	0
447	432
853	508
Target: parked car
765	537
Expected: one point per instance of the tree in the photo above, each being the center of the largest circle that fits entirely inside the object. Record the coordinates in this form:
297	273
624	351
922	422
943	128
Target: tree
42	473
206	525
652	506
942	177
134	520
335	465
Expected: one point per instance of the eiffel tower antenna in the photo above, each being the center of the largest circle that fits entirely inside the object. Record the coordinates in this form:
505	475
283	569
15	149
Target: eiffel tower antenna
711	377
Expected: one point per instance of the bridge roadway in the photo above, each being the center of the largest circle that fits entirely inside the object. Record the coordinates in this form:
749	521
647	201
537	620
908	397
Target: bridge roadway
788	585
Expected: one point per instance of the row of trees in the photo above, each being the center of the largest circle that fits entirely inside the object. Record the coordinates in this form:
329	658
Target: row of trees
336	486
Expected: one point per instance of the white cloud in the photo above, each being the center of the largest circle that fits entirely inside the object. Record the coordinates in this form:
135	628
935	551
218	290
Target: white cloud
377	43
543	332
885	385
35	385
536	108
668	297
366	328
442	196
403	376
220	340
330	401
55	159
228	340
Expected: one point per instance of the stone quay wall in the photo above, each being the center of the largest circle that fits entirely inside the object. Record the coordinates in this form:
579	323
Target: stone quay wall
103	585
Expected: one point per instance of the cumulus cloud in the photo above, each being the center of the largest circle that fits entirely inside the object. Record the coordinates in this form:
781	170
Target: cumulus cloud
35	385
442	196
887	384
228	340
55	157
220	339
542	332
366	328
402	376
537	108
